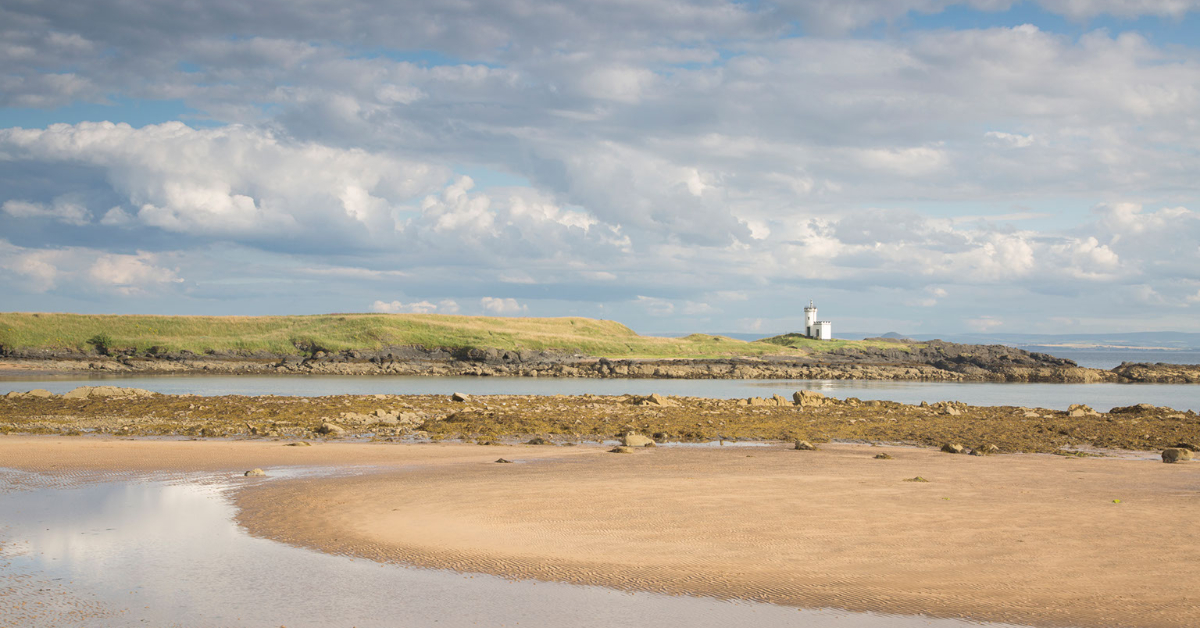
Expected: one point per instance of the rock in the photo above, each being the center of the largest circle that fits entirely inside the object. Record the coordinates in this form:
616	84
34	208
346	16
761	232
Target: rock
459	397
803	445
537	440
810	399
657	400
503	461
331	429
1175	454
779	401
302	443
1188	446
636	440
883	457
953	448
1077	410
255	473
39	392
87	392
621	450
951	411
916	479
1032	415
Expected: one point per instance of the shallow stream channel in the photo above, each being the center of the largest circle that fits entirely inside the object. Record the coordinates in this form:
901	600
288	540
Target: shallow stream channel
165	551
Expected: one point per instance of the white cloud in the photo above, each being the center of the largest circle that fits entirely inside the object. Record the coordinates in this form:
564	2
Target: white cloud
1010	139
933	294
502	307
87	272
36	270
456	210
231	181
445	306
63	210
655	306
687	149
694	308
984	323
131	274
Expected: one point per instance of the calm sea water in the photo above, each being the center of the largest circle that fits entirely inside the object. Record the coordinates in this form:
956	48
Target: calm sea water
169	553
1109	358
1102	397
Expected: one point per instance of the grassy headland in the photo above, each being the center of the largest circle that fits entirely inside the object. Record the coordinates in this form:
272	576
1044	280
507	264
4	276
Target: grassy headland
301	335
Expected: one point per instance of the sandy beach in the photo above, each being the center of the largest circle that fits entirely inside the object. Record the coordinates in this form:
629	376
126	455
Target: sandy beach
1030	539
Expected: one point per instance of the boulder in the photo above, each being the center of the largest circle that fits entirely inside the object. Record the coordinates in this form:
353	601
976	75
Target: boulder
39	392
1176	454
636	440
503	461
657	400
459	397
883	456
89	392
803	445
809	398
1077	410
951	411
538	440
621	450
331	429
953	448
255	473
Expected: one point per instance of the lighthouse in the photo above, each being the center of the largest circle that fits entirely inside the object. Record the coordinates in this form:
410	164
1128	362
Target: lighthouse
815	329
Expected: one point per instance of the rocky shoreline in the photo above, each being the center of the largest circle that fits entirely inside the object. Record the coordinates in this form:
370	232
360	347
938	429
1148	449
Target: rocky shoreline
933	362
548	420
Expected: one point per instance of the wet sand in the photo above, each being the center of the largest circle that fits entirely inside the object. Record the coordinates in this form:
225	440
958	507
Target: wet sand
1030	539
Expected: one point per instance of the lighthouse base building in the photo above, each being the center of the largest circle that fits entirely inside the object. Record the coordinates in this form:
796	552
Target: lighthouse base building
815	329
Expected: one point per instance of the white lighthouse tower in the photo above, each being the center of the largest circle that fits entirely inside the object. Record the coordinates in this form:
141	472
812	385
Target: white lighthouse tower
815	329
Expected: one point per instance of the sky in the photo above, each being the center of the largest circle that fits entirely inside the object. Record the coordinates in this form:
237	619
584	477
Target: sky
920	166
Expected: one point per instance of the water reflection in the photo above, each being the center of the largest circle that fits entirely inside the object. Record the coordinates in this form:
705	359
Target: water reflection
166	553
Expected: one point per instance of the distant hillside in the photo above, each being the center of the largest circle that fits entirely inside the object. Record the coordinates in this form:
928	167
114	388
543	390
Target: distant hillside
301	335
1137	340
1173	340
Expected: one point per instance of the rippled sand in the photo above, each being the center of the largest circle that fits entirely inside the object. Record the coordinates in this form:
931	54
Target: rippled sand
1029	539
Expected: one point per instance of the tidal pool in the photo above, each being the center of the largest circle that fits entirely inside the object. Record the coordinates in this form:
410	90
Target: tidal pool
166	552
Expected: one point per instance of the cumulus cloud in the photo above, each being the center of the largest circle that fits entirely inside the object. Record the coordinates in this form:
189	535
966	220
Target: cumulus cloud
63	210
229	181
502	307
656	306
130	274
84	271
445	306
700	152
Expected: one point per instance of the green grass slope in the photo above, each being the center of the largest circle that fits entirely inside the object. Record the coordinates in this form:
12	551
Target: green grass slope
297	335
808	345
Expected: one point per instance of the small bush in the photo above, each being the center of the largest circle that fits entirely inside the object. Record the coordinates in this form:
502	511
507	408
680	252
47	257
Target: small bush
102	343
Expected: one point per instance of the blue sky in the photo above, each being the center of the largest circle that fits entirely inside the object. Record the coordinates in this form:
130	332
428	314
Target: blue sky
923	166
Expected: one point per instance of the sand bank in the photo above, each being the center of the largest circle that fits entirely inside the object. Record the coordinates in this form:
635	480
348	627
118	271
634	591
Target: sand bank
1030	539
